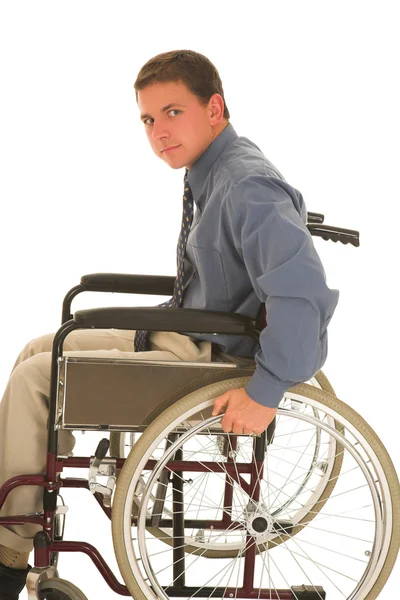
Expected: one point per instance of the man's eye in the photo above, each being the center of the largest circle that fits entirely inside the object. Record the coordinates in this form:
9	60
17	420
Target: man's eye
172	110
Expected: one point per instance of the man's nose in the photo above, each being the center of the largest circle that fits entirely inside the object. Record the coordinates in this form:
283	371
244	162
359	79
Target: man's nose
159	131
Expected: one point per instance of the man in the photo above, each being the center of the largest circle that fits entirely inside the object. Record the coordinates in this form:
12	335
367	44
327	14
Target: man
247	244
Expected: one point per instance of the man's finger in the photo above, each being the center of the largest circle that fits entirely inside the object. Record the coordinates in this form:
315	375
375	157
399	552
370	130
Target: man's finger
227	422
238	427
220	403
248	430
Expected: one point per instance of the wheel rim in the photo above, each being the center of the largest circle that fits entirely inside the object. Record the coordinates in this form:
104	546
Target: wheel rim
381	539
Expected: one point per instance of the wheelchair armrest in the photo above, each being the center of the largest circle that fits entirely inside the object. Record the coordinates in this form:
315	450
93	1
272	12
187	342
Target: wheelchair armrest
167	319
158	285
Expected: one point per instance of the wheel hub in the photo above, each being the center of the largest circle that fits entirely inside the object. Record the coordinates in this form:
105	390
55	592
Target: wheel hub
259	525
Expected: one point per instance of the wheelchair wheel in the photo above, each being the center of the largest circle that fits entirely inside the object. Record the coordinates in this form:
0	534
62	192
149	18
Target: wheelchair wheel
121	443
197	544
59	589
275	505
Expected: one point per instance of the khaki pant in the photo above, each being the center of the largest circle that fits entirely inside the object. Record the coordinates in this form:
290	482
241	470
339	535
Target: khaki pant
24	409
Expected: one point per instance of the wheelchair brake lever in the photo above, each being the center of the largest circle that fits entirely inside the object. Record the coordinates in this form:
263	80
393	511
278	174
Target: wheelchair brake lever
106	467
101	451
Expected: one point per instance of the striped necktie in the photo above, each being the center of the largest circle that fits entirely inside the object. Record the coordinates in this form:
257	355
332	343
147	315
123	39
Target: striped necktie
142	335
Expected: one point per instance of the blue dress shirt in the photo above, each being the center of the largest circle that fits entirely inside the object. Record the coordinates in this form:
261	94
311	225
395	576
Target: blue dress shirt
248	245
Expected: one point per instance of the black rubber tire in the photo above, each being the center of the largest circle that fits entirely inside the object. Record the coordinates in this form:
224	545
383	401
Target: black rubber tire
59	589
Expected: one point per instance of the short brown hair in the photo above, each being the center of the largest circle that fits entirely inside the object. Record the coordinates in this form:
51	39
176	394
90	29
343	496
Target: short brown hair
195	70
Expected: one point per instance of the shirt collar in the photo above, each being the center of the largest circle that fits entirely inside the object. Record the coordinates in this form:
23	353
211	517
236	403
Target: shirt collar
197	175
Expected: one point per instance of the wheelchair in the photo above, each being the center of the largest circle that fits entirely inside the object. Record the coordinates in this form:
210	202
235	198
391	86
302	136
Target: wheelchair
305	511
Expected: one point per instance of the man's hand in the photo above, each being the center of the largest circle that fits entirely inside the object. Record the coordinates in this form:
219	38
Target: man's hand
243	415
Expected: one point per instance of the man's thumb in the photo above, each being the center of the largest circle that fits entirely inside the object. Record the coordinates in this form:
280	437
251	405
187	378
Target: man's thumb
220	403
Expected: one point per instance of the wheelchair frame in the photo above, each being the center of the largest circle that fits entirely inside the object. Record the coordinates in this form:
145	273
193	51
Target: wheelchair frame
47	544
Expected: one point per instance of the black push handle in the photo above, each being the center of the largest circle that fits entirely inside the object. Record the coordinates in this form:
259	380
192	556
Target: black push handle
313	217
335	234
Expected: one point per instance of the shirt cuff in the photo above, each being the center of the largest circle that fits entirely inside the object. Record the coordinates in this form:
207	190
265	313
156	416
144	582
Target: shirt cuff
266	389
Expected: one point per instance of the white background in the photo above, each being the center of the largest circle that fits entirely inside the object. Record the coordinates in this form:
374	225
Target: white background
313	84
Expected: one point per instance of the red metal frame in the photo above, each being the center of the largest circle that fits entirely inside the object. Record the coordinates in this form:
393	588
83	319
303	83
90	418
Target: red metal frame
53	481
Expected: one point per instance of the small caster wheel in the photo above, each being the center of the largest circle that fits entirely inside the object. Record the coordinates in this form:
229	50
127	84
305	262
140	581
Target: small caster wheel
59	589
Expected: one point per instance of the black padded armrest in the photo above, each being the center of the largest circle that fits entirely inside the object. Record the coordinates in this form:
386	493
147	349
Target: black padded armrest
166	319
158	285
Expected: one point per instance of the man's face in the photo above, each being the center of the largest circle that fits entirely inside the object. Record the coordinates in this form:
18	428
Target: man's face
184	122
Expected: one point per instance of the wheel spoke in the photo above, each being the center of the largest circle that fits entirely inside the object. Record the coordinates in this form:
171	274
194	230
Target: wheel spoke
287	479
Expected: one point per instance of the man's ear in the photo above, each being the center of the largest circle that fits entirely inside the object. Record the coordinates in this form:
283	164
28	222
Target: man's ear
216	109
